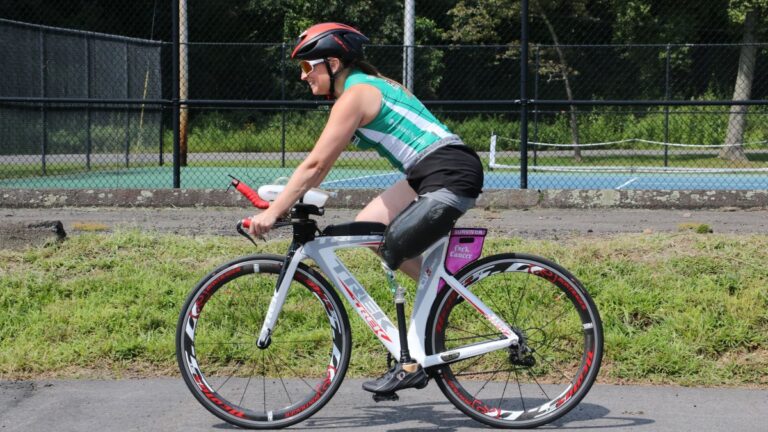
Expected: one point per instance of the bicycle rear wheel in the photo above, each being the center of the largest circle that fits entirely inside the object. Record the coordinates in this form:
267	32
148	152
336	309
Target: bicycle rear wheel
543	378
282	384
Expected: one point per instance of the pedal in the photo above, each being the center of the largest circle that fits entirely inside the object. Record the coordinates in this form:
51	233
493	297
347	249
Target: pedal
384	397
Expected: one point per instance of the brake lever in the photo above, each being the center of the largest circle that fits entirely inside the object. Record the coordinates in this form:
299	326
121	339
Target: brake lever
247	235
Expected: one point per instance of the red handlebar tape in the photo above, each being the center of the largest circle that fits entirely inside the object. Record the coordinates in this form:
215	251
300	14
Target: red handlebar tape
249	193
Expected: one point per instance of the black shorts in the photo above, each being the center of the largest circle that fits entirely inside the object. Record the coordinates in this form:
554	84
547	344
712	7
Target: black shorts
453	167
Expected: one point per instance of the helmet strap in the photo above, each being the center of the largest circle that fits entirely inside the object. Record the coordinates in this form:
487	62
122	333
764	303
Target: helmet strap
332	93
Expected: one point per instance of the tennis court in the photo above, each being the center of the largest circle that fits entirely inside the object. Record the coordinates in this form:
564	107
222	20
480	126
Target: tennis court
345	178
582	180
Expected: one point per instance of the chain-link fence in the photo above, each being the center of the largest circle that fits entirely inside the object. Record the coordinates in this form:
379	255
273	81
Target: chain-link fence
57	64
616	94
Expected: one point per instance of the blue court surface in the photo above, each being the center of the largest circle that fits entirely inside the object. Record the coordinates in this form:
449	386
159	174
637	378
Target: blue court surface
217	177
581	180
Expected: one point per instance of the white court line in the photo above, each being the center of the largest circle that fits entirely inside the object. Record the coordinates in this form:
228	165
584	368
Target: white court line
627	183
329	183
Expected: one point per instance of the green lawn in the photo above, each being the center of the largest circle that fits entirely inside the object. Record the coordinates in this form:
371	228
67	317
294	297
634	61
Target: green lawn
686	308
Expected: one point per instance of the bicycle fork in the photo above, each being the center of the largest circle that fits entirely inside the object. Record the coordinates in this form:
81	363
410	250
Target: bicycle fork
292	259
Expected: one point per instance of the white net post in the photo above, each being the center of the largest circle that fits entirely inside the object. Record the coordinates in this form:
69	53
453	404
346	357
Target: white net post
492	153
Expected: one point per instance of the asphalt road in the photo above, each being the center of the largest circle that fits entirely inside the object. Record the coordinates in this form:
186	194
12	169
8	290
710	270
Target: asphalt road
167	405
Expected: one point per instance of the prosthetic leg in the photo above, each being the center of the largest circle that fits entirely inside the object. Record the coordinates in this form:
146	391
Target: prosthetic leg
410	233
405	373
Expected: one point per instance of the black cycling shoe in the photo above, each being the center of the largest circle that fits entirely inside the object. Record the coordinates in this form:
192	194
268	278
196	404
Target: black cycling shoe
398	378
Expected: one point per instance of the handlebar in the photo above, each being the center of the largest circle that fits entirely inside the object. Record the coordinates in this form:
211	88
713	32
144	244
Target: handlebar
249	193
300	210
252	196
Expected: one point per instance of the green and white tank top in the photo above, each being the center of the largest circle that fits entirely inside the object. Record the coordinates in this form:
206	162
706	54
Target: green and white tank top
404	129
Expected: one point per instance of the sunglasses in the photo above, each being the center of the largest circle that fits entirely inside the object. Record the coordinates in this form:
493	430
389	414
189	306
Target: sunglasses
307	66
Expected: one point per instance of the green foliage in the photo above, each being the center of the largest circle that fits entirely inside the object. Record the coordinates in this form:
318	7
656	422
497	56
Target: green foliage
738	9
218	132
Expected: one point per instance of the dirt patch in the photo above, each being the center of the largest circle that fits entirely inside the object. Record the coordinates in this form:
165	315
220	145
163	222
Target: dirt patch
18	235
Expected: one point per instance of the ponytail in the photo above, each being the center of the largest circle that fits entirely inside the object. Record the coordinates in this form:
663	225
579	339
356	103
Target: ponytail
370	69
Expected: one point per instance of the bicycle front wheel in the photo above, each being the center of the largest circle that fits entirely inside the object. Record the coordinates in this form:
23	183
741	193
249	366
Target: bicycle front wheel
260	388
561	346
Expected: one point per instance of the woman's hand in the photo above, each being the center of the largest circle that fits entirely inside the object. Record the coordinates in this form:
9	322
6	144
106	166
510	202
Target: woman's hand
261	223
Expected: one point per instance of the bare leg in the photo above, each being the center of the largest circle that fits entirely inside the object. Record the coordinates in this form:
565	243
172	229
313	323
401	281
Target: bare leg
384	208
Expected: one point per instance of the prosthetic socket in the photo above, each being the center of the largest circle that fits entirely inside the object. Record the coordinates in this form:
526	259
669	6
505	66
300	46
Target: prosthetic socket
415	229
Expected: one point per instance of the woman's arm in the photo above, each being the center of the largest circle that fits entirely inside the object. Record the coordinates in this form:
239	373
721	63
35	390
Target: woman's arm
350	111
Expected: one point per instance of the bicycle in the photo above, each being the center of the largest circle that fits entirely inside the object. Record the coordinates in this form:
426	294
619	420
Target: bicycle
523	363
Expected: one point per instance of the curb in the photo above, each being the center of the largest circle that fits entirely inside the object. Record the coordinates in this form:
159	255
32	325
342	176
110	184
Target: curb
357	198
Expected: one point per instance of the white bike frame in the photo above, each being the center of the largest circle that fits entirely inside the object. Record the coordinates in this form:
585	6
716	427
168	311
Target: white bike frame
322	251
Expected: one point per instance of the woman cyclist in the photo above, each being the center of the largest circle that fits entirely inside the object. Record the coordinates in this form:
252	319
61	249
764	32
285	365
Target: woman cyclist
443	176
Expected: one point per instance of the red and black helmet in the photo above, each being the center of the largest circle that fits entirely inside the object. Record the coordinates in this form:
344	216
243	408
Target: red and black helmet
330	40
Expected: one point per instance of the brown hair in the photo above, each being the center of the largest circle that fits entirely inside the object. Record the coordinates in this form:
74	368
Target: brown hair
370	69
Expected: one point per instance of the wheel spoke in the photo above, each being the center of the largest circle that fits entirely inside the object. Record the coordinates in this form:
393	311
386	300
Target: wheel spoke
494	371
476	318
520	390
285	389
523	291
504	390
557	318
550	323
550	345
293	371
264	383
552	367
221	386
224	344
474	361
247	383
484	384
205	344
538	384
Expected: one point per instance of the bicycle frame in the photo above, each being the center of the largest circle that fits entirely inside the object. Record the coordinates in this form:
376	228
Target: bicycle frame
322	250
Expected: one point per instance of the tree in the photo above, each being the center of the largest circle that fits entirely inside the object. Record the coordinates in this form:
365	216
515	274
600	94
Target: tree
564	72
479	22
748	12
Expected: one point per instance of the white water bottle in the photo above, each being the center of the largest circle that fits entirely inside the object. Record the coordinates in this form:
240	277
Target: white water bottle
313	196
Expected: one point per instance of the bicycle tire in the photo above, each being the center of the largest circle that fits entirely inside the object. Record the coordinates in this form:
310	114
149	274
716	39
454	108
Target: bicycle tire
289	380
550	309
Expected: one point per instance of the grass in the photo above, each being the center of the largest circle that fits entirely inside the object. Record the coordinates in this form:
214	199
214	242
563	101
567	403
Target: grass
27	170
687	308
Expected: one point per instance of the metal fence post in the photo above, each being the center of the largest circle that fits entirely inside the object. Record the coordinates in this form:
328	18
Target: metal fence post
282	109
88	143
409	25
127	109
161	157
43	114
536	109
524	95
666	110
175	93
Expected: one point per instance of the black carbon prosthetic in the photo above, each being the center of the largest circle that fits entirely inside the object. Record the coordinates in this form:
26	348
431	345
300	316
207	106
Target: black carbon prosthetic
415	229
